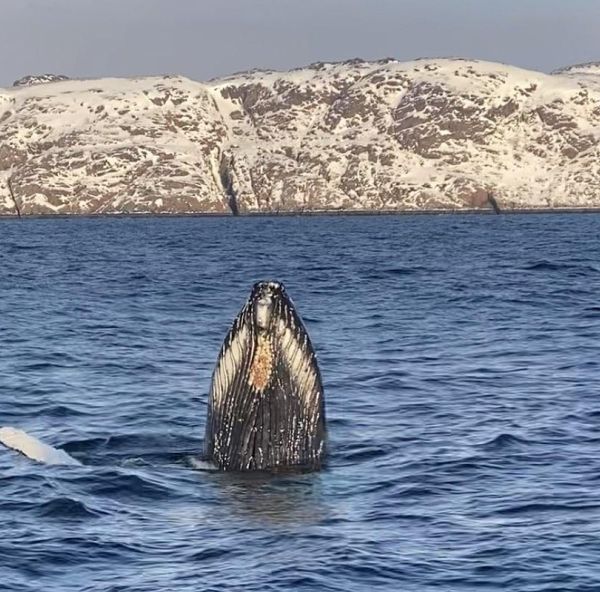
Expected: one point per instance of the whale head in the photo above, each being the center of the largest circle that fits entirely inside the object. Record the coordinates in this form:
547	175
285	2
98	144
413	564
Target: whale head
266	405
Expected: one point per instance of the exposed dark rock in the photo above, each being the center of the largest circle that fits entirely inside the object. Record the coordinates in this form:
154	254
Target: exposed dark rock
39	79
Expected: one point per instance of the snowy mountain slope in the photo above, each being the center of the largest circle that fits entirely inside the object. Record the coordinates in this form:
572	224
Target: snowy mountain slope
111	145
427	134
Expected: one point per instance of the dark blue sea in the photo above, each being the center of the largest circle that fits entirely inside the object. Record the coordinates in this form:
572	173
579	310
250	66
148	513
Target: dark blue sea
460	358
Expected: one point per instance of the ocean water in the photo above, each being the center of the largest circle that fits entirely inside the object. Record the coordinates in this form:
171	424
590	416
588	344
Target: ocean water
460	358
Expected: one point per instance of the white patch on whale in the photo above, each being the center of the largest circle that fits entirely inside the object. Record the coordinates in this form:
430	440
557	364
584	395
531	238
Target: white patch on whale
230	361
300	361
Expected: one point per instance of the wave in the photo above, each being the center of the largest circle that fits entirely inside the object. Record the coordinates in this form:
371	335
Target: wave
545	265
363	454
546	507
65	508
400	271
503	441
149	447
127	485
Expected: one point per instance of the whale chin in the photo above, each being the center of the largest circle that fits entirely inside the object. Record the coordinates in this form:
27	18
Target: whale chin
266	409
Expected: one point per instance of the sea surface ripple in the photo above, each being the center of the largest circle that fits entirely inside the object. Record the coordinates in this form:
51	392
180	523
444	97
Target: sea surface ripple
460	356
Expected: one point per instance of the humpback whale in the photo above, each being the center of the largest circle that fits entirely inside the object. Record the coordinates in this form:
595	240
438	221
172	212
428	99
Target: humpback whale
266	409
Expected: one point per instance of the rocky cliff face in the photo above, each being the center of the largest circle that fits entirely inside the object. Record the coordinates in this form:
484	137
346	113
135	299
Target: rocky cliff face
427	134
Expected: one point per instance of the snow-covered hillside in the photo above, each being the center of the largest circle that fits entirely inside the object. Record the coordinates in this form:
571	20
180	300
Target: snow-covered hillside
388	135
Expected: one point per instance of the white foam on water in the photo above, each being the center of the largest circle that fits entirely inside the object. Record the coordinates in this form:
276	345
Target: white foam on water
32	448
200	465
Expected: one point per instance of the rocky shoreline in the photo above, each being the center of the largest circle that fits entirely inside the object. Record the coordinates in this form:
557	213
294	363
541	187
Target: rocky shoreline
309	214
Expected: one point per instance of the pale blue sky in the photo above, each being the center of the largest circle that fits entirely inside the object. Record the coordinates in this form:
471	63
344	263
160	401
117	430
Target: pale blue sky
206	38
